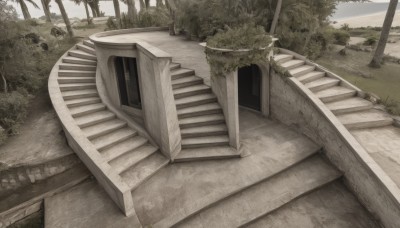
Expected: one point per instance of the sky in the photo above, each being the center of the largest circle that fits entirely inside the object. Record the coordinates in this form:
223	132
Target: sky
74	10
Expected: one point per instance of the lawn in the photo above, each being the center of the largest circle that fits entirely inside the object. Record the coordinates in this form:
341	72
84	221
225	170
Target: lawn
384	82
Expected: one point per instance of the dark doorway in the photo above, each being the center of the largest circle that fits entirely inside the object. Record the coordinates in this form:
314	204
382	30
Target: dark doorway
249	83
128	82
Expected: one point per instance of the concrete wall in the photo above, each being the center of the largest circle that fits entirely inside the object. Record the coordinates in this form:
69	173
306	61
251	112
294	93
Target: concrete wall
296	106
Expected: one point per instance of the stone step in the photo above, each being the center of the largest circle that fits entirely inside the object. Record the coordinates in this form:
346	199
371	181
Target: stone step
75	73
281	58
293	63
195	100
77	67
123	147
365	119
302	70
132	158
174	66
77	86
139	173
65	80
82	101
81	54
261	199
109	140
186	81
181	73
191	91
335	93
88	43
80	94
312	76
353	104
80	61
211	130
207	153
199	121
94	118
207	141
86	49
87	109
200	110
103	128
322	83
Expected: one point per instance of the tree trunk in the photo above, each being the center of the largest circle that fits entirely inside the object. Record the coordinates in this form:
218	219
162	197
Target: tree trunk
87	13
142	5
276	17
92	7
5	89
65	18
117	10
172	9
387	25
24	10
132	13
159	3
46	10
147	3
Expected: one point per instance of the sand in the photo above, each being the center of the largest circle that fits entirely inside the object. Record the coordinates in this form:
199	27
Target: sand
374	20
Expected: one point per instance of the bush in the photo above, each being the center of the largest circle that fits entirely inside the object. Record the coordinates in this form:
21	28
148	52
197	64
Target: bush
13	110
370	41
342	37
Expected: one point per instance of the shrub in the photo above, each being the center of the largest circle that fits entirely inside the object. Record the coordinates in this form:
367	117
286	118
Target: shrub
341	37
13	110
370	41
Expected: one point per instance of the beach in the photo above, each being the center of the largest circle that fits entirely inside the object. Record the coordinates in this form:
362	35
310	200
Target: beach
374	20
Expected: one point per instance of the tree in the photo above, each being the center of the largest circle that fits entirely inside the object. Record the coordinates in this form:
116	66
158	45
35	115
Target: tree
24	8
46	9
65	18
117	9
142	5
387	25
159	3
132	13
94	6
276	16
85	4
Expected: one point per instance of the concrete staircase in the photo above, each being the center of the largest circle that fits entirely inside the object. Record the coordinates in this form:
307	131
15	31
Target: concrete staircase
132	156
201	120
353	111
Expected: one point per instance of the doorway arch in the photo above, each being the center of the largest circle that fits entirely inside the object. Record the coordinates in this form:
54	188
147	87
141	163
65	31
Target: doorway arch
250	87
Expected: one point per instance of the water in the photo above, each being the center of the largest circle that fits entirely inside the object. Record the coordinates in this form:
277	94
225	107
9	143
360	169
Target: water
346	10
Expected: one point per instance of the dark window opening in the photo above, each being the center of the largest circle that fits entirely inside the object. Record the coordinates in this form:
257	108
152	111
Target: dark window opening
128	82
249	87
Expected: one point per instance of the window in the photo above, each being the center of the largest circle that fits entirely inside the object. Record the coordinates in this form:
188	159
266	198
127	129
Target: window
128	82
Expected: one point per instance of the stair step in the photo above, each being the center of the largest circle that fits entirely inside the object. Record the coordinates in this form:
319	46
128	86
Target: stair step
66	80
76	73
139	173
208	141
103	128
211	153
195	100
181	73
86	109
335	93
353	104
365	119
312	76
75	60
123	147
291	64
281	58
211	130
200	110
259	200
86	49
186	81
94	118
88	43
302	70
322	83
109	140
191	91
82	101
132	158
77	86
199	121
174	66
78	94
77	67
81	54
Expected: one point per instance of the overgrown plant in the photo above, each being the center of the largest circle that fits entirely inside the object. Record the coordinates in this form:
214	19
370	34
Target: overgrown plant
237	47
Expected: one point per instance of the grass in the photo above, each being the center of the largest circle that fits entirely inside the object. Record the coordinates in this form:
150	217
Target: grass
384	82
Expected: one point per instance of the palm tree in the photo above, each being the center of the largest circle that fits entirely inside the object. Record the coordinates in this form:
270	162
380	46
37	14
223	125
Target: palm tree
142	5
94	5
387	25
172	9
85	4
46	9
117	10
276	16
24	8
65	18
132	13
